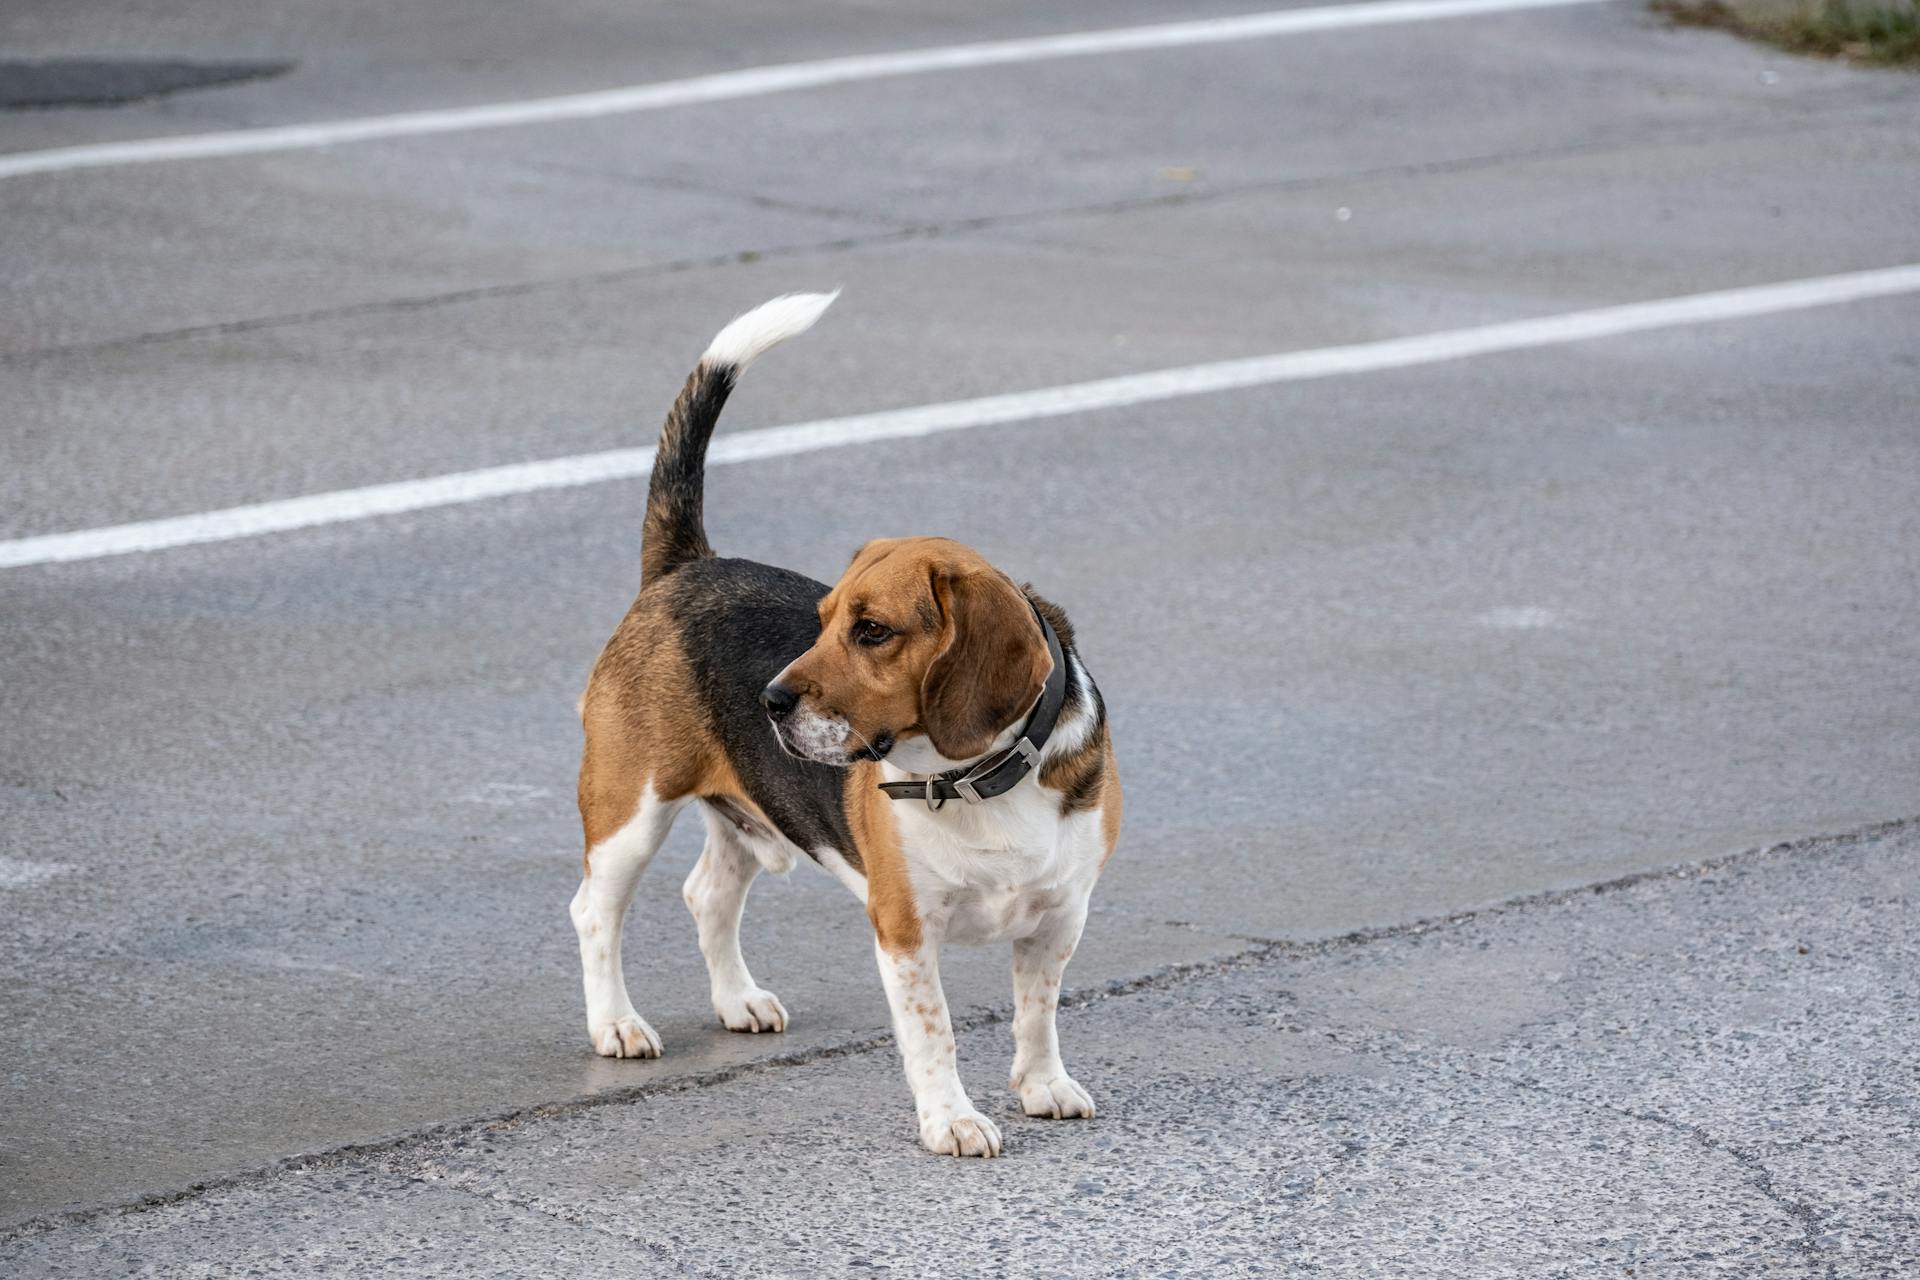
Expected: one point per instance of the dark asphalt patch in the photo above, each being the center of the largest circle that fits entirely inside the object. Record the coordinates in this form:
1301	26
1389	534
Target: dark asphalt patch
111	82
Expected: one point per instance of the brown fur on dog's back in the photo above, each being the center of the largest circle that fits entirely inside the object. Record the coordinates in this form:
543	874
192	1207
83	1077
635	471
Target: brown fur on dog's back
643	724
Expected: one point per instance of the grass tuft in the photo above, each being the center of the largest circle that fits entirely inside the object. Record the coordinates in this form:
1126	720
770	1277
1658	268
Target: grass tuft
1876	32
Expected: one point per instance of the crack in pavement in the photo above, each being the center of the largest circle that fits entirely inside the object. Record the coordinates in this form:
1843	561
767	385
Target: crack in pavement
1262	951
1806	1216
1413	1053
752	198
919	231
1811	1220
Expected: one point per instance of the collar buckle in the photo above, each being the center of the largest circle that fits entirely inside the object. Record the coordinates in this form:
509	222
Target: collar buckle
1029	756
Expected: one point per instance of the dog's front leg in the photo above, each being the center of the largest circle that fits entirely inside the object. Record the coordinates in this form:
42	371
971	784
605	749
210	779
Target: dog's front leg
949	1124
1039	963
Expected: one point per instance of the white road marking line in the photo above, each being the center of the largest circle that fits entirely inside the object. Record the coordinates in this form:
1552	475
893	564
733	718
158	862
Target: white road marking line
754	82
1020	406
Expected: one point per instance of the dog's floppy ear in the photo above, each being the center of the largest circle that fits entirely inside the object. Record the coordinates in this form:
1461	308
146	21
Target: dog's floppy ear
992	668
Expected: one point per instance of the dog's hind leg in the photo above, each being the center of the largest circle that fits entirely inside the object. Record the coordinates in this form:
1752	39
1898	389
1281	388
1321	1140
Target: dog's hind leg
716	893
1039	961
614	867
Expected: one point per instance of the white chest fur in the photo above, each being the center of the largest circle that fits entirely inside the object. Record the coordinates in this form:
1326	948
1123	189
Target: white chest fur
991	872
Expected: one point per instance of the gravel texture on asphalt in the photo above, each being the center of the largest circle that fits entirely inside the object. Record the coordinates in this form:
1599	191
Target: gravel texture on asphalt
1703	1072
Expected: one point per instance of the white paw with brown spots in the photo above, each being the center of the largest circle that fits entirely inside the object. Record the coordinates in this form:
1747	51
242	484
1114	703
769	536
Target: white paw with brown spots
628	1037
1055	1098
966	1134
751	1009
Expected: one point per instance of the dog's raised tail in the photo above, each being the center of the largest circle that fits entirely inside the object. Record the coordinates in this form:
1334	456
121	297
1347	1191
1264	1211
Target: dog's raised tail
675	530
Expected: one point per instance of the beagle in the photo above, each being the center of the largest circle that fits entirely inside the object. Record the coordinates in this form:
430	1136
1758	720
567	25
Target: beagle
924	730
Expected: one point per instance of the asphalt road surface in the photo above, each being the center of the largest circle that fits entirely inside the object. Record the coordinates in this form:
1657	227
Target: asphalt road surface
1673	1076
286	828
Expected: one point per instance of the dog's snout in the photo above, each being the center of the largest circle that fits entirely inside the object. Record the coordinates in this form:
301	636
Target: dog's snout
779	700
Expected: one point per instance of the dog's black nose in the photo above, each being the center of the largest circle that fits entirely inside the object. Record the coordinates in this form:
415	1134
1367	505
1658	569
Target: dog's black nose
778	700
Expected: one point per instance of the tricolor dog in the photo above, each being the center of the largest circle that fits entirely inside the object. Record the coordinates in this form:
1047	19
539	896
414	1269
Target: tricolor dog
923	729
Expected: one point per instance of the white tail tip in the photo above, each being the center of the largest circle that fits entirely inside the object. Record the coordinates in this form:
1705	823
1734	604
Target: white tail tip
743	341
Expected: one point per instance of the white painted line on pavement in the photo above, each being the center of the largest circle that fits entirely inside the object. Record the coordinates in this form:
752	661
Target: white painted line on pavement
754	82
1020	406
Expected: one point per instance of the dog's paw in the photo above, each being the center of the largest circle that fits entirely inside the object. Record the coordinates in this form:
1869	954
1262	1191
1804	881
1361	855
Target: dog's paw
967	1133
628	1037
751	1009
1055	1098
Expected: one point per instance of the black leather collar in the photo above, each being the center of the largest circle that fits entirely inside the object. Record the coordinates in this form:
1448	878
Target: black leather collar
1002	771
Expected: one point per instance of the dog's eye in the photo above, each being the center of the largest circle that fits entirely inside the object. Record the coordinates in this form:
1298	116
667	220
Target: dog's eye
869	633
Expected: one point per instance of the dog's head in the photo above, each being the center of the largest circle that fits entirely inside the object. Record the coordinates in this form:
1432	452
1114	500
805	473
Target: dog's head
925	650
